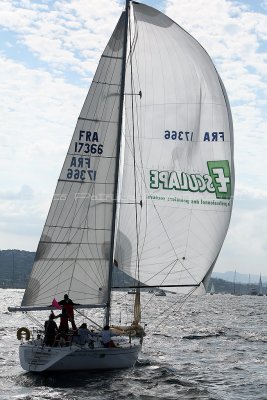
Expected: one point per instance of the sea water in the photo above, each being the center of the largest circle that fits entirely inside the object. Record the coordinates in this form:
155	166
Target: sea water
210	347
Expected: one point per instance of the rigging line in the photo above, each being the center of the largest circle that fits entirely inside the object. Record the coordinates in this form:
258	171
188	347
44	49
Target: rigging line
134	154
43	271
34	288
154	205
180	302
170	271
33	319
171	242
42	264
185	298
148	301
174	262
77	250
128	143
130	147
163	226
96	267
142	170
102	268
62	266
95	278
151	297
85	316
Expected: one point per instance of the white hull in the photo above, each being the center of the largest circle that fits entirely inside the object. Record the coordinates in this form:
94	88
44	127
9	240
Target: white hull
42	358
160	293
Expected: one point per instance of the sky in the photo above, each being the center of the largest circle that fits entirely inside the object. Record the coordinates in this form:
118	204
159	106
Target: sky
49	51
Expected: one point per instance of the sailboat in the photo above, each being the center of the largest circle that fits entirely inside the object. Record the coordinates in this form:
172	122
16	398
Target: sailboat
160	292
260	290
148	181
212	289
132	291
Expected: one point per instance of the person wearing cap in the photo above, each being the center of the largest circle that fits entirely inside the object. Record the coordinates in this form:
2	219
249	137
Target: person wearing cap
50	331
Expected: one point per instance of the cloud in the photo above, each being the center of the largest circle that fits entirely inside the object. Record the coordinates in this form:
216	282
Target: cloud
245	246
22	215
25	193
39	113
62	34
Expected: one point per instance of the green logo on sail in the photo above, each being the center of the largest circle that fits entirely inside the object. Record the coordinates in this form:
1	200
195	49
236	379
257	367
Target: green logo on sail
217	181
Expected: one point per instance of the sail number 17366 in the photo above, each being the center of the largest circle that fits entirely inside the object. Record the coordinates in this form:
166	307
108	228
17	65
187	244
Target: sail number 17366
179	135
80	147
81	174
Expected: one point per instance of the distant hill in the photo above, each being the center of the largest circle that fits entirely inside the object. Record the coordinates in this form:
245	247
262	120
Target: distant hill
221	286
16	266
230	276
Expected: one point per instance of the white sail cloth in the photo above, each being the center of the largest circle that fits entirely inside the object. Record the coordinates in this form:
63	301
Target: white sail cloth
176	173
74	249
179	137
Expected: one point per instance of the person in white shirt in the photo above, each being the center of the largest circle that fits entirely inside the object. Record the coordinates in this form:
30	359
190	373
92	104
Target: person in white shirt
106	337
84	334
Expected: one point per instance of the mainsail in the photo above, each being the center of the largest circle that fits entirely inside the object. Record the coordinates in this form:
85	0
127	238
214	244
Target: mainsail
73	255
178	159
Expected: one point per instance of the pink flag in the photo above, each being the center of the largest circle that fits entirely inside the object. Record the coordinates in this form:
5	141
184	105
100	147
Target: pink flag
55	304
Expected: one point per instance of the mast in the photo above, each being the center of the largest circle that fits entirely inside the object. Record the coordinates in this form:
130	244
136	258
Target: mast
137	306
115	201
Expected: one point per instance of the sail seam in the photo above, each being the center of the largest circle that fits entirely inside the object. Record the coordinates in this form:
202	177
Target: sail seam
72	259
73	227
107	83
158	286
93	156
97	120
113	57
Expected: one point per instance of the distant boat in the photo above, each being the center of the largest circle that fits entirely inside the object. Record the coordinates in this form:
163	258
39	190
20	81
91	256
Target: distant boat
260	288
160	293
234	286
133	291
212	289
248	285
253	290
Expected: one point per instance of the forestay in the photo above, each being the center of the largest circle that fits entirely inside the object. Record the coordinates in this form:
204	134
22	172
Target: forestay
180	134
